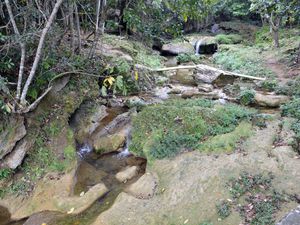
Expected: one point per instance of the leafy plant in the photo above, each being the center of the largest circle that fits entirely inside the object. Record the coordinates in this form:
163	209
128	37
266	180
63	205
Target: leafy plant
269	85
247	97
254	197
5	173
185	58
223	209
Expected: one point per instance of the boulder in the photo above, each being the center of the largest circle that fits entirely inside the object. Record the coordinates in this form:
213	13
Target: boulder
205	87
15	158
270	100
127	174
87	120
145	187
195	93
291	218
109	143
205	76
14	132
174	49
185	77
135	101
171	62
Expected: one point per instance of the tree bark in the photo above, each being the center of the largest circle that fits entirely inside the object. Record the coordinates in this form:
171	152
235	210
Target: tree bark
71	17
39	51
78	28
22	46
276	37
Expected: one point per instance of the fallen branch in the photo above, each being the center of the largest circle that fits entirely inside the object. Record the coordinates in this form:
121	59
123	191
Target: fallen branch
205	67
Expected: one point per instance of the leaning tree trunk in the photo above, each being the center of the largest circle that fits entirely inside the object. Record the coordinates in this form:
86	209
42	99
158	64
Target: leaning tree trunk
39	51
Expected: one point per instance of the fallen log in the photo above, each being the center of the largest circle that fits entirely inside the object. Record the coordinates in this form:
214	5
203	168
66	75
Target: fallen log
205	68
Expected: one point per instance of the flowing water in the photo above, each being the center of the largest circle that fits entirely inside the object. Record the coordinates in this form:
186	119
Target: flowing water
95	169
198	46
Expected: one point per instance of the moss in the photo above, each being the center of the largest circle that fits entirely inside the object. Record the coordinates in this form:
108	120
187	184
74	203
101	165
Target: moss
227	142
165	130
228	39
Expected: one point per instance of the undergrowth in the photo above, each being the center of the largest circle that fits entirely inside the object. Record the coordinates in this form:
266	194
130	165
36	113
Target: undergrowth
242	59
254	198
292	109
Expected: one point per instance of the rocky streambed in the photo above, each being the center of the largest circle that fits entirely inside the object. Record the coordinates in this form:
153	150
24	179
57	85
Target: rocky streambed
109	186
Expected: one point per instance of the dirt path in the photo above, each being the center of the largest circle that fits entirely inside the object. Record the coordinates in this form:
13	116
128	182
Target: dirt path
282	71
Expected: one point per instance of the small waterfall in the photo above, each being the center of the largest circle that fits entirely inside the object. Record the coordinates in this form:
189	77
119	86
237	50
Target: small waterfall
125	152
84	150
198	46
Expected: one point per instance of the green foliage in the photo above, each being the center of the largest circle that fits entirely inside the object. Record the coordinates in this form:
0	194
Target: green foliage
292	108
246	97
185	58
165	130
292	88
223	209
228	39
248	182
241	59
227	142
263	35
254	197
5	173
269	85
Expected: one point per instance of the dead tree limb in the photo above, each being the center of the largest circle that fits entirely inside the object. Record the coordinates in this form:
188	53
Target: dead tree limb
206	67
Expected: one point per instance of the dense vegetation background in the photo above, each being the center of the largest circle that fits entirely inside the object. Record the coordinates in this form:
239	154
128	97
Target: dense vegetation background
42	39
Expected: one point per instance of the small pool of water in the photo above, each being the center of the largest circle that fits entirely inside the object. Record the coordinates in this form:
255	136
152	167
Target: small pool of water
93	170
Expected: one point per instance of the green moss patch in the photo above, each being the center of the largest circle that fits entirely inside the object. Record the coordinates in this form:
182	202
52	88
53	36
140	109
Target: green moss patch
227	142
165	130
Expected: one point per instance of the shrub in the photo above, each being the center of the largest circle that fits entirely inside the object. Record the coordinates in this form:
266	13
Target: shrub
228	39
269	85
185	58
247	97
292	88
292	108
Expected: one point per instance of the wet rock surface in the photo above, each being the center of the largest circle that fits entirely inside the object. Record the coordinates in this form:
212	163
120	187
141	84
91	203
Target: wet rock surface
127	174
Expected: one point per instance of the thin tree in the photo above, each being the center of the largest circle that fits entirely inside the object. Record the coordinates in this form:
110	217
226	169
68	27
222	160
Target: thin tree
39	51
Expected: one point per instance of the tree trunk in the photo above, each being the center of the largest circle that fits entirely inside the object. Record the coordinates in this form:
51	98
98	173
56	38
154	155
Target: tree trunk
22	46
39	51
275	32
71	12
78	28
